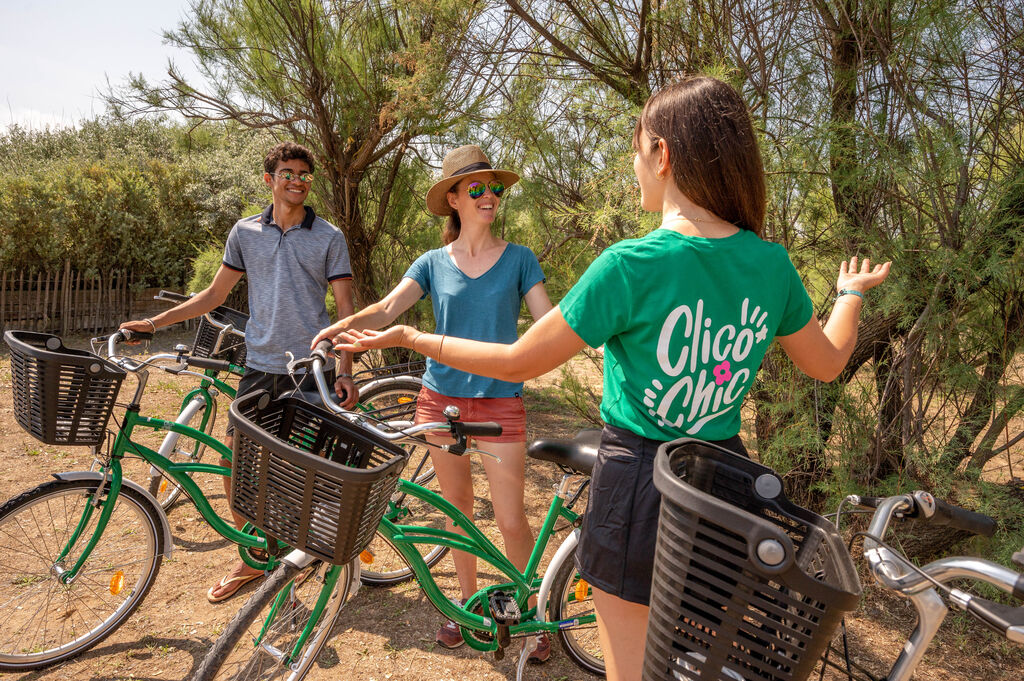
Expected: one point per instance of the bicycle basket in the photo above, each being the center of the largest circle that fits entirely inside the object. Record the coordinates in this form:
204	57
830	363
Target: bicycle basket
308	478
746	585
232	347
61	396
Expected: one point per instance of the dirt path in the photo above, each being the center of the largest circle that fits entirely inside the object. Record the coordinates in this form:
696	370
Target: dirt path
383	634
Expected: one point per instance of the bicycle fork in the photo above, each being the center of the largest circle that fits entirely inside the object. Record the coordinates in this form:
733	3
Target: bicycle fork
301	560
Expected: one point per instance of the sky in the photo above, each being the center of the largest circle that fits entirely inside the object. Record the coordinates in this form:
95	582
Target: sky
57	55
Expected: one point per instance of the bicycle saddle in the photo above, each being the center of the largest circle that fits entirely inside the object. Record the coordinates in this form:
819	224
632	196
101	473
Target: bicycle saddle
578	454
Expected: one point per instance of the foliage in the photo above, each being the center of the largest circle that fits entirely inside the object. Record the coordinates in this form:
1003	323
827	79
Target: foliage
140	196
357	81
890	130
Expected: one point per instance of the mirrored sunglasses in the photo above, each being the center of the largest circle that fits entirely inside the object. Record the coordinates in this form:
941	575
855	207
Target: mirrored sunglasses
289	176
477	189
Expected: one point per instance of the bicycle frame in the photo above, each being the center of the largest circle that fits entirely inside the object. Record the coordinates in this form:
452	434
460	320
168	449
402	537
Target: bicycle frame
405	539
179	472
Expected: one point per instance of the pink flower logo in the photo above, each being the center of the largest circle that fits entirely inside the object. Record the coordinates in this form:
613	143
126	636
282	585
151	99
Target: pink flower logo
722	373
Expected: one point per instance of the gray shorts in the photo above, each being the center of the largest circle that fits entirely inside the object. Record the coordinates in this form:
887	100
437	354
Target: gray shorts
620	527
277	385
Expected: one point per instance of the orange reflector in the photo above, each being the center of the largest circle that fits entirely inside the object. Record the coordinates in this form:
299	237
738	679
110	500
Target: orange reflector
405	400
582	589
163	485
117	582
366	557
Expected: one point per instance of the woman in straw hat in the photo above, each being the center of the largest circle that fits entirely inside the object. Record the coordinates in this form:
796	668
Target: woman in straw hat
477	283
686	315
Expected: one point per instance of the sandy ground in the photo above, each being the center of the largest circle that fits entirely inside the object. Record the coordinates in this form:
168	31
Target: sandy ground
388	634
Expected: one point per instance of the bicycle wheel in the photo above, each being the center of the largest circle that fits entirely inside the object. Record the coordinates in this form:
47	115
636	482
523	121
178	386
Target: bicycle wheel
181	448
46	621
394	399
256	641
570	599
383	565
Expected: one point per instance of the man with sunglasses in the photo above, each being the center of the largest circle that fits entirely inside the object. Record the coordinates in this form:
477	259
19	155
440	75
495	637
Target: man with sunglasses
290	256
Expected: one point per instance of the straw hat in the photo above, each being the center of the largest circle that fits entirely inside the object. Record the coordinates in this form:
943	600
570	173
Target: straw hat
459	164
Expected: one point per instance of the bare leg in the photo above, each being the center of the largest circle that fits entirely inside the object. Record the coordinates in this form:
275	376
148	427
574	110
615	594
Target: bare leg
622	628
239	569
455	478
507	483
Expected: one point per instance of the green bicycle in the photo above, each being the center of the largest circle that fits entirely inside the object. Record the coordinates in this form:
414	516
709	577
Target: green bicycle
81	552
220	334
322	510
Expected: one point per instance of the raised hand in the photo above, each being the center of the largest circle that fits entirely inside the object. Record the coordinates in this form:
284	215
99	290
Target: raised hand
867	277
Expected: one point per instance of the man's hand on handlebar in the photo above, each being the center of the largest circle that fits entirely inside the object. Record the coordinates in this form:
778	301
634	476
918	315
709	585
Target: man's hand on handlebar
138	327
348	393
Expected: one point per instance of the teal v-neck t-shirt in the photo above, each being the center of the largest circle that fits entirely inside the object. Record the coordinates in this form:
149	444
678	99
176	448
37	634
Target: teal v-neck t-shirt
685	322
484	308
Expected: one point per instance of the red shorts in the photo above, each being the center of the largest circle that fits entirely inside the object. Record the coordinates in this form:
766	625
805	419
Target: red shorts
508	411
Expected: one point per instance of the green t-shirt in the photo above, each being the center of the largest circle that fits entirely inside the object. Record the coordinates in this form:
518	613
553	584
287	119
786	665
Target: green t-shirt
685	322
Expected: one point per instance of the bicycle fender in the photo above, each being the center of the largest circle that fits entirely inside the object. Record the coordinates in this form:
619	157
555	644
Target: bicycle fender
96	475
564	552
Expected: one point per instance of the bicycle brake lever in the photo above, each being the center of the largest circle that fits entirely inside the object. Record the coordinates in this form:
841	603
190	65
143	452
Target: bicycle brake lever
480	451
294	364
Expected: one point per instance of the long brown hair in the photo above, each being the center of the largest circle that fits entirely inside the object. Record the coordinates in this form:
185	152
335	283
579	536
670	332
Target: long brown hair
715	159
452	228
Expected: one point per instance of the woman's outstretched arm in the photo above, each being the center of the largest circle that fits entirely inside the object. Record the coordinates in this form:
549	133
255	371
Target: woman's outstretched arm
379	314
822	353
547	344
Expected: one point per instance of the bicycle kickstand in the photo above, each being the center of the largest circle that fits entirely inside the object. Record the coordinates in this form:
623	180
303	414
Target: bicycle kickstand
529	645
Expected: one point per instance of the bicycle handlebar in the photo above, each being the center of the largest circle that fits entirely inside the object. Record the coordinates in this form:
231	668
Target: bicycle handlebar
206	363
458	429
925	506
962	519
894	571
171	296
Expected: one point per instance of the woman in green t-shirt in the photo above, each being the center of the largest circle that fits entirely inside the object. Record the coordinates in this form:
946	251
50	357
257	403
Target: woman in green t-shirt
686	315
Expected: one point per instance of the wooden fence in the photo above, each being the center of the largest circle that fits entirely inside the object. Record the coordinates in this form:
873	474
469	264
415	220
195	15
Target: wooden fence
69	301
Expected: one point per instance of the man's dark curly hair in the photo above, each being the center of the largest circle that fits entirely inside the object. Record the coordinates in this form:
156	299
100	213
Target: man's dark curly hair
287	151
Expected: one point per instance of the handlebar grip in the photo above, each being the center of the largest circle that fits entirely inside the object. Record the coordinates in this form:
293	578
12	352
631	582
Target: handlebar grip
171	296
130	336
962	519
325	346
208	363
485	428
1005	620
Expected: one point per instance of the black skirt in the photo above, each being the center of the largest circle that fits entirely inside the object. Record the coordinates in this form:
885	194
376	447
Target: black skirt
620	527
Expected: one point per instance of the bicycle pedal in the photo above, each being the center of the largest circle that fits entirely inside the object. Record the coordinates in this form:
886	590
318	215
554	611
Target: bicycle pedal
1018	558
504	608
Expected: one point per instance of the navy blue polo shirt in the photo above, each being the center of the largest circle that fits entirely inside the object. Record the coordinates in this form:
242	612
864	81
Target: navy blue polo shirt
289	271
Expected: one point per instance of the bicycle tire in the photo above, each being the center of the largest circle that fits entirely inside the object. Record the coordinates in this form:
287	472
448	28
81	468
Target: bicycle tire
181	448
34	528
394	399
382	564
581	642
235	654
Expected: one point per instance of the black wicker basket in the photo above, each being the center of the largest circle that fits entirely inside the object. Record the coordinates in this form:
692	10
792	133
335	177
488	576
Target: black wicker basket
308	478
747	586
232	347
61	396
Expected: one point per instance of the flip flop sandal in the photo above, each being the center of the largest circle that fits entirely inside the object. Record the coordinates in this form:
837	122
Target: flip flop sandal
235	583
